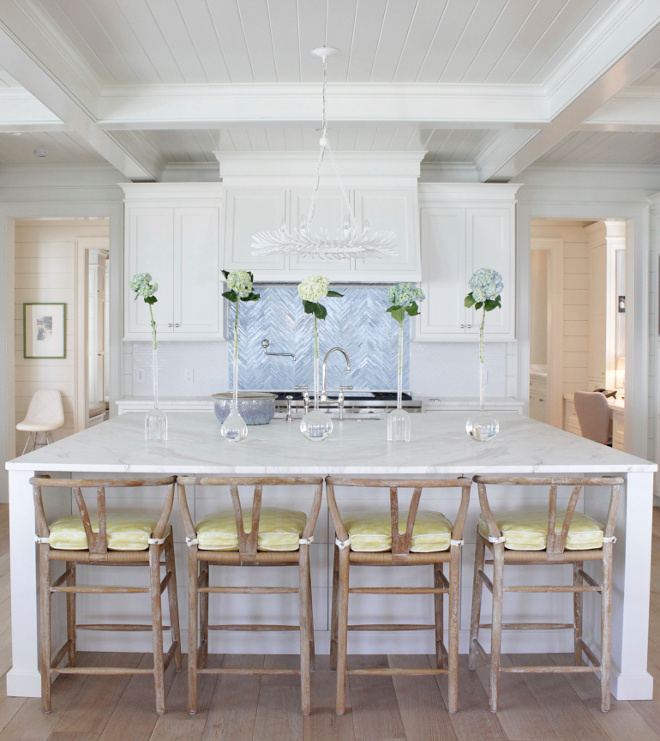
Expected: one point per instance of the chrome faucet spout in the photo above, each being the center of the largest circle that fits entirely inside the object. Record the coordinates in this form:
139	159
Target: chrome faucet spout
324	394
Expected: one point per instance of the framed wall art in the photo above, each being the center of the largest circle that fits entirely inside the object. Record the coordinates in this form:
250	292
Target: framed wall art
44	331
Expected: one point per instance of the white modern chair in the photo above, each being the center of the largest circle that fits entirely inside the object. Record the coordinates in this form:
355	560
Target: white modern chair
45	414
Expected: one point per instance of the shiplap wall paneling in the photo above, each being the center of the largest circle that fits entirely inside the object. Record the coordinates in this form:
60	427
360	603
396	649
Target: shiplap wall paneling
45	273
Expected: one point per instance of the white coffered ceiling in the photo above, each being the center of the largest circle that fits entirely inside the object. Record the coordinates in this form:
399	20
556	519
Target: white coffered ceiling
492	85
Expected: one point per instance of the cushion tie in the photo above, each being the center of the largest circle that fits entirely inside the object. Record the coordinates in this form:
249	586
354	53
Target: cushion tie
37	539
501	539
609	538
341	544
306	541
191	541
456	542
155	541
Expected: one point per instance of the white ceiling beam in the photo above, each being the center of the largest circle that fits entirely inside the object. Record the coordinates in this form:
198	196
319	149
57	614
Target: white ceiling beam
68	98
626	44
429	105
20	111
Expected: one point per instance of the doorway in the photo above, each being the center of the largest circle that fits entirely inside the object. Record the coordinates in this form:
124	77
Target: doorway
46	270
577	317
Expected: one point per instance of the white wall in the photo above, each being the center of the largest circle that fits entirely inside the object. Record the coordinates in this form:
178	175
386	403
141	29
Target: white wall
54	192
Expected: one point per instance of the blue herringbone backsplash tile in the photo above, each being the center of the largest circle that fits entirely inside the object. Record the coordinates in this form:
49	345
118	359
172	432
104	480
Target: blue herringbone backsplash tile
358	322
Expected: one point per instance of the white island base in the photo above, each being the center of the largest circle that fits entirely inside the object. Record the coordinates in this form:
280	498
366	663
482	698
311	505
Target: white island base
439	447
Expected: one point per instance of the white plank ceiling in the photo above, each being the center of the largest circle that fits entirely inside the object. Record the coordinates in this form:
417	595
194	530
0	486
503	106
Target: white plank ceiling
494	84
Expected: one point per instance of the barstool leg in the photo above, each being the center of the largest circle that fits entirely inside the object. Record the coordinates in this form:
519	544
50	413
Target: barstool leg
44	626
204	615
439	616
578	601
193	617
606	628
342	628
157	627
305	646
334	606
477	586
310	617
71	613
496	630
454	580
173	600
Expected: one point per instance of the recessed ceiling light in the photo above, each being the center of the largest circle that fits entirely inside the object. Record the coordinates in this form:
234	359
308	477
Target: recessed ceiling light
41	152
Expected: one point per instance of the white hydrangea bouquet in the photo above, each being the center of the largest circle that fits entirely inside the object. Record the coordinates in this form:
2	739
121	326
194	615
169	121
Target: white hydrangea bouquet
240	283
142	286
311	291
155	422
404	299
487	286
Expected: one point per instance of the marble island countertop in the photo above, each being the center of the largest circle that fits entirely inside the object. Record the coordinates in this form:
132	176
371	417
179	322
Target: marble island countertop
439	445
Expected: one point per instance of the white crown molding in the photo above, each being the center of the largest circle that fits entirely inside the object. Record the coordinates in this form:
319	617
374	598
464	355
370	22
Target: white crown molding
198	106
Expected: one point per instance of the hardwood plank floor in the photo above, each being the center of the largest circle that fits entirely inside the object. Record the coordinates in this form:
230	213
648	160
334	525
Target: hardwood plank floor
234	708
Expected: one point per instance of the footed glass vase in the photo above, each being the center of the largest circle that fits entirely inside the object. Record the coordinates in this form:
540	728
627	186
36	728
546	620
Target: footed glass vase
398	420
316	425
234	427
155	421
482	426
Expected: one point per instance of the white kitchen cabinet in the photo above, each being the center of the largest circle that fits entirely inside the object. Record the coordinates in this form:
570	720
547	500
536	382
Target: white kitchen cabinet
174	234
463	227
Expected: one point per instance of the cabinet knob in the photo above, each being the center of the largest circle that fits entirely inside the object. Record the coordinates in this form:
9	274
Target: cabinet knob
170	324
469	326
177	325
462	326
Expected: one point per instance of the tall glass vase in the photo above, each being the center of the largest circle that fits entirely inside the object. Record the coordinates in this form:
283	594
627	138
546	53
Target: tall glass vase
234	427
482	426
398	420
155	421
316	425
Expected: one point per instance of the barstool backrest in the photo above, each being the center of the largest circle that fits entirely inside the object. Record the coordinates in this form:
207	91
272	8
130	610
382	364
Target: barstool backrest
400	541
248	540
97	541
556	541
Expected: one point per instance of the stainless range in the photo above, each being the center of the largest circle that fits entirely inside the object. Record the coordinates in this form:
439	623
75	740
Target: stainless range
358	404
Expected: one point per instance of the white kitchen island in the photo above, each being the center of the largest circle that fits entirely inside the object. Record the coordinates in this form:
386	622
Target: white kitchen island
439	447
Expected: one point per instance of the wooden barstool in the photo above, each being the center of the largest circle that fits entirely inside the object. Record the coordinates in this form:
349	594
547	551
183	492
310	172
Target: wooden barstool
118	539
544	537
276	537
429	538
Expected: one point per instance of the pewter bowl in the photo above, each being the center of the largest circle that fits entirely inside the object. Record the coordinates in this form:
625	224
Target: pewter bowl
256	407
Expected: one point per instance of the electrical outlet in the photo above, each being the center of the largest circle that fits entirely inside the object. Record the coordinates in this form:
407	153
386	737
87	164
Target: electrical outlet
139	375
189	375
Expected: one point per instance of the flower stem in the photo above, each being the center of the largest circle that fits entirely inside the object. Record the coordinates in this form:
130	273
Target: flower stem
399	385
235	394
316	364
153	327
481	359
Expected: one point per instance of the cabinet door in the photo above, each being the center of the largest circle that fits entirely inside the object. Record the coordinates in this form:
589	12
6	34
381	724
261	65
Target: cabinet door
328	218
443	271
197	271
250	211
490	245
150	249
390	210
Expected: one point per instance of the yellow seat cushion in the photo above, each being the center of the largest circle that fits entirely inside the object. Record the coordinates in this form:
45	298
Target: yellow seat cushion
279	530
372	531
527	531
126	532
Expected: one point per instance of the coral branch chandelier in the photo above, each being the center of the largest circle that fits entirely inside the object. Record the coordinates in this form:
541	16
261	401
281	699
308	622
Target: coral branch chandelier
350	241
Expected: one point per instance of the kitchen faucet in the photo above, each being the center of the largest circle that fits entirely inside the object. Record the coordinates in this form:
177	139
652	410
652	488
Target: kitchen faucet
324	395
